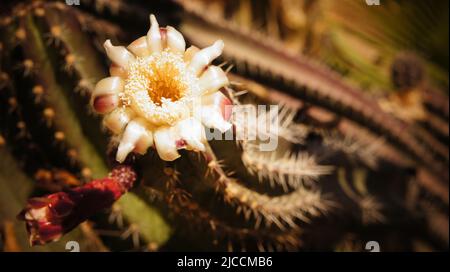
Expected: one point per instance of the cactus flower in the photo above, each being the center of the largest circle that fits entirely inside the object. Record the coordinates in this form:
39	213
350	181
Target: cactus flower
161	95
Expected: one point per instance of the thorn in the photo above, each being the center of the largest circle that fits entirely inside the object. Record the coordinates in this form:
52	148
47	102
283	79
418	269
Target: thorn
22	129
36	3
49	115
28	67
59	136
116	215
72	154
168	171
214	164
230	246
236	83
84	86
55	31
86	173
229	68
60	5
54	37
12	101
113	6
39	12
132	231
20	35
230	173
111	233
4	80
260	246
7	20
2	141
222	64
21	12
152	246
43	175
100	5
171	173
70	61
38	92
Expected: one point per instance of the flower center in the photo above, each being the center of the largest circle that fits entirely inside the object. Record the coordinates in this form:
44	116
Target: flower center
161	75
164	82
159	86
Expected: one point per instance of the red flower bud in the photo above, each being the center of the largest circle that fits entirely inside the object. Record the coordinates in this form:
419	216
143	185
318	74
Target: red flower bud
47	218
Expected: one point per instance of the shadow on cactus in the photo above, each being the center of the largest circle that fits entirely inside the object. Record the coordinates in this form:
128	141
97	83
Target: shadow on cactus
206	136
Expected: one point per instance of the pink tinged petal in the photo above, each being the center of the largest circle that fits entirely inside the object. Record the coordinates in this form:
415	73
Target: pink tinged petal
165	142
205	56
226	108
117	120
220	101
192	132
175	40
154	40
212	117
215	111
104	98
105	103
139	47
135	138
212	80
181	144
118	54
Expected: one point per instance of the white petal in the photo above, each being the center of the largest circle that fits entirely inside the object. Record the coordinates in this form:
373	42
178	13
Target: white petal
212	79
144	143
175	40
109	85
104	97
165	143
115	70
205	56
135	138
192	131
190	53
212	117
117	120
139	47
154	41
118	54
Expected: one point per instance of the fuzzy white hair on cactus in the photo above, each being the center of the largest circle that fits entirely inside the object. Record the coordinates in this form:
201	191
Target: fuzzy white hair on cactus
161	95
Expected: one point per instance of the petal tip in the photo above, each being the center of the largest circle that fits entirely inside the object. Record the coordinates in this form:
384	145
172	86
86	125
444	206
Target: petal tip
153	20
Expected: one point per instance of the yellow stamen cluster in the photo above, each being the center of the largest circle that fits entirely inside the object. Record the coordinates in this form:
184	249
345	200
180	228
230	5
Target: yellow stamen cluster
160	86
